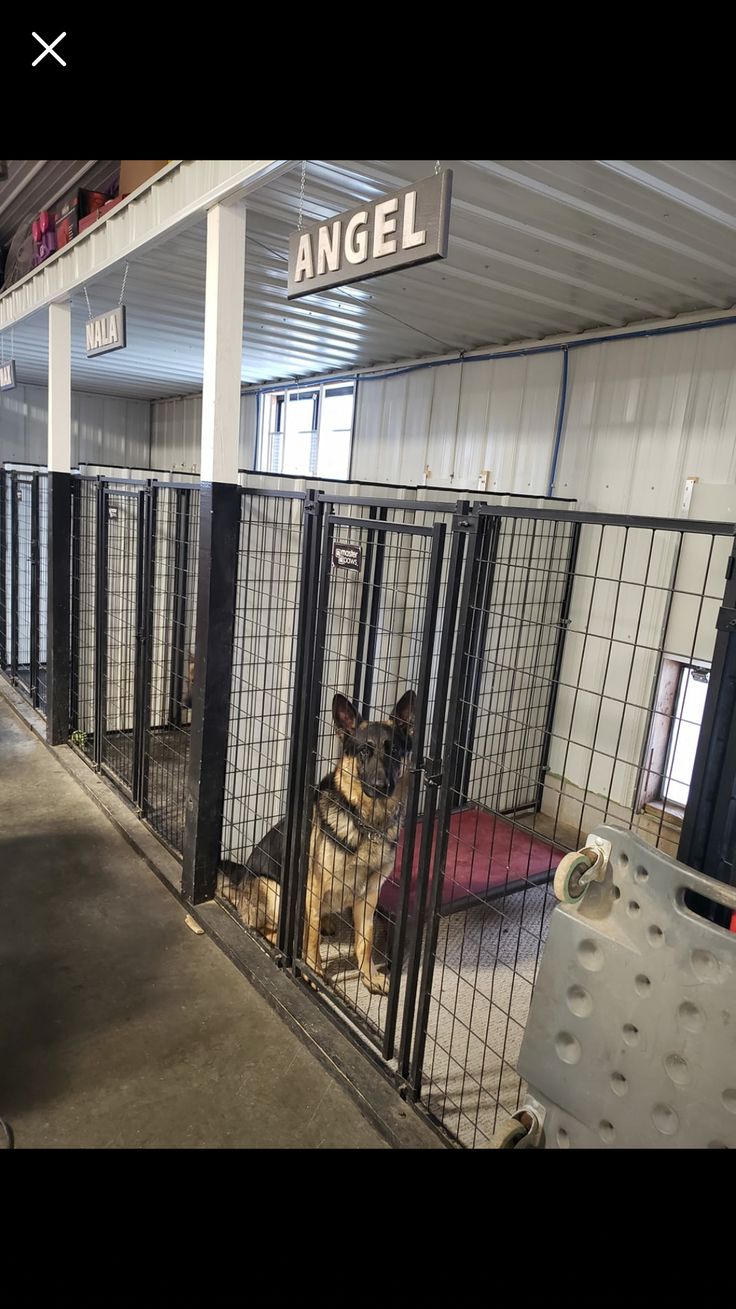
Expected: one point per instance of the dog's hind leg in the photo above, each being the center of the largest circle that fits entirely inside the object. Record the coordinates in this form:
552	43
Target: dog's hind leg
313	925
363	914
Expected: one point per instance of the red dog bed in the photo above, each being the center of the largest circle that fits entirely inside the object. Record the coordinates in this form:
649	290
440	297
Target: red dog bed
486	854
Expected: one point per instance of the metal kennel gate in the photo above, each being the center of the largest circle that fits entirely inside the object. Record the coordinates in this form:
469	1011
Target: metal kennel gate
631	596
393	656
134	563
23	581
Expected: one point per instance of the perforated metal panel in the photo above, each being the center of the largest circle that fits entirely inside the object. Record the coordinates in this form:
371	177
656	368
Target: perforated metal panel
631	1039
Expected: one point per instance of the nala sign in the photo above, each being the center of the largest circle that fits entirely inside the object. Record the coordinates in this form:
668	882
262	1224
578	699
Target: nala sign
408	227
106	332
7	376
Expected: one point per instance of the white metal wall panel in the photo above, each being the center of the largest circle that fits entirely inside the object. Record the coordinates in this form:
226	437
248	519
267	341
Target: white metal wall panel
103	427
248	429
440	457
641	417
176	432
459	420
644	415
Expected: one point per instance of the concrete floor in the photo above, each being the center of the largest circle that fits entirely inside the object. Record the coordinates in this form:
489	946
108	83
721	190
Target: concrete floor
119	1028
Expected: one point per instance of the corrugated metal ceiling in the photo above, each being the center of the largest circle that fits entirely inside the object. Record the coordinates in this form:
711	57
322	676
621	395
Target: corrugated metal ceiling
537	248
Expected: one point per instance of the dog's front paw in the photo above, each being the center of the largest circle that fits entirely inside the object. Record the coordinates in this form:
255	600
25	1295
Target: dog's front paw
377	983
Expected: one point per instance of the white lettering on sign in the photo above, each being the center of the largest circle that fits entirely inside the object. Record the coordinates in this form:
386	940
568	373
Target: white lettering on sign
304	261
328	248
356	247
7	376
395	231
410	238
383	226
106	332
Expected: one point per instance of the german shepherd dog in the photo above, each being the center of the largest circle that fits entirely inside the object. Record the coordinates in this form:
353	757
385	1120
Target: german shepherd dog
356	819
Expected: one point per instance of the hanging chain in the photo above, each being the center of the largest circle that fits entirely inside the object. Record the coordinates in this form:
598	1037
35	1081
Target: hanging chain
122	289
436	167
301	196
12	345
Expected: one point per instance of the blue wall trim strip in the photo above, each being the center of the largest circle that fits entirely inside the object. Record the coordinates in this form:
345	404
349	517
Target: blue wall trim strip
560	423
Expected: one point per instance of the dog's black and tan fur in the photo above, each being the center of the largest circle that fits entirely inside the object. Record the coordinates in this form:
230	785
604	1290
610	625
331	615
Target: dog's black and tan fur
356	819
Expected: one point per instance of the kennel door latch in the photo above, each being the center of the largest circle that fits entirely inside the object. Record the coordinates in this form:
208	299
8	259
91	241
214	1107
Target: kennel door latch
432	771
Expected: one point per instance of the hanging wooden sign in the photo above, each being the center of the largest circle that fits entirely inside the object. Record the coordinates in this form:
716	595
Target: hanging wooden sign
409	227
106	332
7	376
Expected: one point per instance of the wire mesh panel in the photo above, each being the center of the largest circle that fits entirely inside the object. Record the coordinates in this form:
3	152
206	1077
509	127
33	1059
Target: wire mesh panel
263	702
386	632
6	491
83	615
24	631
121	571
172	597
364	778
518	615
630	597
43	594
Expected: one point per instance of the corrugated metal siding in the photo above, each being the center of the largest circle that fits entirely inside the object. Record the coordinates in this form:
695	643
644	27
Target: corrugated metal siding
103	427
642	416
645	415
460	420
176	430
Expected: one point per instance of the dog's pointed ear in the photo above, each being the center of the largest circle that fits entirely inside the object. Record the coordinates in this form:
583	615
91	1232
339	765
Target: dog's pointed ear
345	716
404	712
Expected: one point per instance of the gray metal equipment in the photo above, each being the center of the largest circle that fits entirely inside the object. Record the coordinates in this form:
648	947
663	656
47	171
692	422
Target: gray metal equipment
631	1039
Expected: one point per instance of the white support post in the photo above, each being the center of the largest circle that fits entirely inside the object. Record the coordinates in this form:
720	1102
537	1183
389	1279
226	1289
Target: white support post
59	452
58	534
223	343
219	529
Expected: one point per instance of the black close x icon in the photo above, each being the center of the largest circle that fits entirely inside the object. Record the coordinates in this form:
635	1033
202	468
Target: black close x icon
48	49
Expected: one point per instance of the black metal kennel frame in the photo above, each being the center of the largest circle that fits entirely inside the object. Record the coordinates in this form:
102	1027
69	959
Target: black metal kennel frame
24	581
211	628
133	584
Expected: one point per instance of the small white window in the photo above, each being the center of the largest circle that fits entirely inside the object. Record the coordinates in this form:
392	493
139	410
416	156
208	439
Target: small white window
674	734
306	431
684	734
